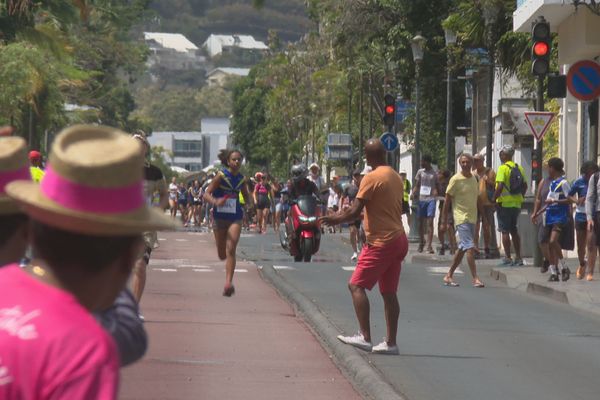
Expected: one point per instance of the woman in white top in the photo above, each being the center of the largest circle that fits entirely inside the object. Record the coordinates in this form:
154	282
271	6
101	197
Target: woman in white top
173	196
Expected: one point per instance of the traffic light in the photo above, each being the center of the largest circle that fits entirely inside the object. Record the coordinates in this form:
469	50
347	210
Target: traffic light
541	47
536	166
389	110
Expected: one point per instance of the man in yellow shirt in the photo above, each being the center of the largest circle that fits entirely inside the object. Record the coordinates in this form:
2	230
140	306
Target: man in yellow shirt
509	205
463	194
35	162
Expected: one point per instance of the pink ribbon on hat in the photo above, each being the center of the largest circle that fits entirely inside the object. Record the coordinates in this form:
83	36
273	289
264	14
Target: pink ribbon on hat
80	197
7	177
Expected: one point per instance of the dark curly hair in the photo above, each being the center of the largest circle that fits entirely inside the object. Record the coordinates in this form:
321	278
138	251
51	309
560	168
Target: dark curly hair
224	155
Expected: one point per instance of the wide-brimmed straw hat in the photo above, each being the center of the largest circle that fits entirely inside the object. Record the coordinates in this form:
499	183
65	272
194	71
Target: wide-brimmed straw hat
94	184
13	166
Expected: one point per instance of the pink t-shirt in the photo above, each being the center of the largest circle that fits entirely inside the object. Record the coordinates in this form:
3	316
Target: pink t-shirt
50	346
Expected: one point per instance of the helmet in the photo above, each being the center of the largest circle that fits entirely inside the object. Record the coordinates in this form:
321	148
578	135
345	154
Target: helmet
299	172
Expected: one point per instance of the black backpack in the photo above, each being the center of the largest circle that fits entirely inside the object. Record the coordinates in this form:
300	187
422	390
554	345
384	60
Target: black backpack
516	180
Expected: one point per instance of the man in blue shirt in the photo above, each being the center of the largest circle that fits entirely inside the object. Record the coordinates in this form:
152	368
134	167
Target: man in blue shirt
558	207
578	194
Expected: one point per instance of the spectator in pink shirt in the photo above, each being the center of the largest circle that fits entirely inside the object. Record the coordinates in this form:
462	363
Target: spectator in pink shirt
84	245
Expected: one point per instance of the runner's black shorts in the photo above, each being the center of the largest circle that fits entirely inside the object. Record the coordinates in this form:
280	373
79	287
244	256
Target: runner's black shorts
262	202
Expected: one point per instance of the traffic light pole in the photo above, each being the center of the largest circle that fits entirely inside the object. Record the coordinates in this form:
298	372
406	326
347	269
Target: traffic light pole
539	146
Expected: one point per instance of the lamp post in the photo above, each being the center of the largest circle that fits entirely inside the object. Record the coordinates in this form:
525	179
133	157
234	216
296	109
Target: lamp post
417	45
450	37
490	13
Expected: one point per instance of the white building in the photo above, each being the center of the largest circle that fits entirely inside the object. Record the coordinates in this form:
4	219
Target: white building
218	44
217	76
186	148
172	51
216	136
579	39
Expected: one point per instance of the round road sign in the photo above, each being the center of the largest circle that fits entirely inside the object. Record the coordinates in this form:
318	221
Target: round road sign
583	80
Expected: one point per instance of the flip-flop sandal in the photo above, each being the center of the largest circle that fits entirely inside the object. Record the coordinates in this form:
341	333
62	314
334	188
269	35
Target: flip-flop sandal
478	284
450	282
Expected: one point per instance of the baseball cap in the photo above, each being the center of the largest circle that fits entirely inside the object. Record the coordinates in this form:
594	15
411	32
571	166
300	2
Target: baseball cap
35	155
507	149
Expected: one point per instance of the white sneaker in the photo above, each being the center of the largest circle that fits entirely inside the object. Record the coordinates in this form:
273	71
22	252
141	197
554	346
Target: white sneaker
354	256
385	348
357	341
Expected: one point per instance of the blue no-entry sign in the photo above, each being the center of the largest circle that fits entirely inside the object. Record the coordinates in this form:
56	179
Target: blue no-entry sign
389	140
583	80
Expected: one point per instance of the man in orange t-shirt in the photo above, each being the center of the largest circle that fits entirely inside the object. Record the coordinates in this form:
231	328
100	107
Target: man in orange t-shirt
381	193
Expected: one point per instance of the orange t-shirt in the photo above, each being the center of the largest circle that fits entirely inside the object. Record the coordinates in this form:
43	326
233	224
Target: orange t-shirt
382	191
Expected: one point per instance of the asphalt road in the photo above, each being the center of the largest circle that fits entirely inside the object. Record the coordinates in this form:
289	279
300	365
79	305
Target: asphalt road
455	343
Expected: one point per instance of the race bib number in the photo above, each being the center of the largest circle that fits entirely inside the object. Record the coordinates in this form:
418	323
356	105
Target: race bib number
228	208
554	196
425	191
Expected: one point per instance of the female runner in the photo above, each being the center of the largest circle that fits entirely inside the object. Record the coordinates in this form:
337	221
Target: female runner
223	193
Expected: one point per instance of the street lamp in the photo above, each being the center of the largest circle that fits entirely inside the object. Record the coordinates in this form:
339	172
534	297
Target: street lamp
450	37
490	13
417	45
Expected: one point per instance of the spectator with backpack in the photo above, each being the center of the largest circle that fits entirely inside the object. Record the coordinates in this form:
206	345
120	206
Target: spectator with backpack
510	188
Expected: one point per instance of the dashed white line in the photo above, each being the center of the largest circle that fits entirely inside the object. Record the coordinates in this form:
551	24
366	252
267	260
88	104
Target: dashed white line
162	239
349	268
241	270
202	270
280	267
165	269
442	270
181	240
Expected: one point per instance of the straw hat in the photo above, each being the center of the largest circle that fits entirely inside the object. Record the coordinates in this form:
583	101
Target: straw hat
93	184
13	165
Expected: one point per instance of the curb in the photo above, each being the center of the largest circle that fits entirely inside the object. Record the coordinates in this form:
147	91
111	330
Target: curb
360	372
576	300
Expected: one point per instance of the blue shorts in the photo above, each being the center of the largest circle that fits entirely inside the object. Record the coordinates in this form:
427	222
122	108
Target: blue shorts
465	233
426	209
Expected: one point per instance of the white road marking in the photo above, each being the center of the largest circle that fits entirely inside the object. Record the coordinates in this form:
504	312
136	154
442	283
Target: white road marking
241	270
165	269
280	267
349	268
162	239
442	271
194	266
203	270
181	240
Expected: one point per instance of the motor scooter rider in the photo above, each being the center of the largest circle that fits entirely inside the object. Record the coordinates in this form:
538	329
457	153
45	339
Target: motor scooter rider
301	186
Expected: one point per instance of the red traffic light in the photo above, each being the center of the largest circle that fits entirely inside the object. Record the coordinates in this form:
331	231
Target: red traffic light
540	49
535	164
389	110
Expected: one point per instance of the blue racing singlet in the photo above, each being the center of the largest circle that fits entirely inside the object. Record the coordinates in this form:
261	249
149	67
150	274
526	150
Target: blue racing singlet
230	188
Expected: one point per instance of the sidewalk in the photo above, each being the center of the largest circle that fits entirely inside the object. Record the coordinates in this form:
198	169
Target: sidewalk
578	293
206	346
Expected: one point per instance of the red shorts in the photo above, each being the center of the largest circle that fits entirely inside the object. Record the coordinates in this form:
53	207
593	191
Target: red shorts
381	264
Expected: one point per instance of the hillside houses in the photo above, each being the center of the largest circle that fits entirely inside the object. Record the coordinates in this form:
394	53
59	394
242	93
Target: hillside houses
173	51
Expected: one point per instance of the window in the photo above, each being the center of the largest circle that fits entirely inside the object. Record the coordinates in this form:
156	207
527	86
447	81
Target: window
187	148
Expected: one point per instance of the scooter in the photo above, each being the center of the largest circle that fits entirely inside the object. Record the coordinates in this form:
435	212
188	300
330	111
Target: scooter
302	234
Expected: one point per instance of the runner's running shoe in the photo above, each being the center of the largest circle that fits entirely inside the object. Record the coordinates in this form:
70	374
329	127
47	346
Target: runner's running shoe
357	340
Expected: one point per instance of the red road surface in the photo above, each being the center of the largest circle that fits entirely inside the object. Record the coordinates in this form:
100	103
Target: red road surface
206	346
